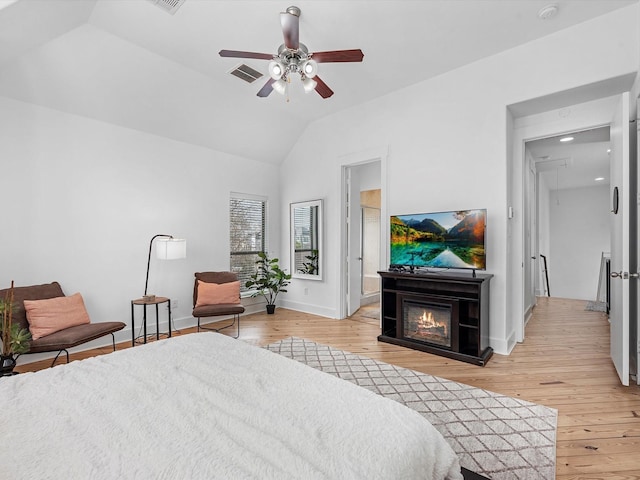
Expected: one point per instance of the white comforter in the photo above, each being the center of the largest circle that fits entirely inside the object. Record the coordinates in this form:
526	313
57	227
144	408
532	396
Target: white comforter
205	406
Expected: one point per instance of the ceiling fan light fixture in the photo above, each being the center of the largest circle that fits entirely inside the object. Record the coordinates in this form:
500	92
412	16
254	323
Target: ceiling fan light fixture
309	84
280	86
276	70
293	57
310	68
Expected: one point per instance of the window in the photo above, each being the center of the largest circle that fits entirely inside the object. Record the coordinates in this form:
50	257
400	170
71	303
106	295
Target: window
247	236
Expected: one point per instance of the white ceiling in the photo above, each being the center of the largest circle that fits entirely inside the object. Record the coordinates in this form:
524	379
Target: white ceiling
573	164
130	63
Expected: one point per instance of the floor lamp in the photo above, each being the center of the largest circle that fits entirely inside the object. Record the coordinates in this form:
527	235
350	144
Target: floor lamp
168	248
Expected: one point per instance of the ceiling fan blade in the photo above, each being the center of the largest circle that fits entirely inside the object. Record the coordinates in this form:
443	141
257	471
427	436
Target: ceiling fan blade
290	29
355	55
241	54
322	88
266	89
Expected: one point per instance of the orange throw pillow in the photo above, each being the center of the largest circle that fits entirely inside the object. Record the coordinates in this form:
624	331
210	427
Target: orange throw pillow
218	293
54	314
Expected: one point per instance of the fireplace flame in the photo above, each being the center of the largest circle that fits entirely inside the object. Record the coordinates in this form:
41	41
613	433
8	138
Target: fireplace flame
426	321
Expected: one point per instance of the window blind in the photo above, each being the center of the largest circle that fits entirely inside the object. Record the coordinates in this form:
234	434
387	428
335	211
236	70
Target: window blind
247	235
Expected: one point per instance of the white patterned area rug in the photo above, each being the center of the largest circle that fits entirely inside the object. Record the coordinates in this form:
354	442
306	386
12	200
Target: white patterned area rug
596	306
501	437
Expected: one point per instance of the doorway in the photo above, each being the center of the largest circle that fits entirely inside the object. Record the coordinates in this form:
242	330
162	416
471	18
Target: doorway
567	218
370	246
612	111
362	231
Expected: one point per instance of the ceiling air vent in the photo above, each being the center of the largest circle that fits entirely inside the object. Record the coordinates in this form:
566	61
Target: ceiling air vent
246	73
545	164
169	6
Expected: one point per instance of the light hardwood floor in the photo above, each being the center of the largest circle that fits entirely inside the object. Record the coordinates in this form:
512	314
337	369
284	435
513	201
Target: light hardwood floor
564	363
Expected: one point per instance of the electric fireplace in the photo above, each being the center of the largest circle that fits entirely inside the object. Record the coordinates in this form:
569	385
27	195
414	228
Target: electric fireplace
427	322
443	314
432	321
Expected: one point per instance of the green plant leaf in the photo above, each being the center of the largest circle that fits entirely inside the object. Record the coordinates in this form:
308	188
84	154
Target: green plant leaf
269	278
20	339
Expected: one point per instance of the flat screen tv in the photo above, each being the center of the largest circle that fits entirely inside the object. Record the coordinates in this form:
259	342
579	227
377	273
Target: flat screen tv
453	239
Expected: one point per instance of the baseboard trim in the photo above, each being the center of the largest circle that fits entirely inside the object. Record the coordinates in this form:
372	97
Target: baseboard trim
312	309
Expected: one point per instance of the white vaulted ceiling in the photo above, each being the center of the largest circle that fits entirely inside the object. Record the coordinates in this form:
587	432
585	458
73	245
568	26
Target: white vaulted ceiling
130	63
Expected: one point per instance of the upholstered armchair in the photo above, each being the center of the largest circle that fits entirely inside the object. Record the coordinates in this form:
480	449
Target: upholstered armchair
217	294
56	322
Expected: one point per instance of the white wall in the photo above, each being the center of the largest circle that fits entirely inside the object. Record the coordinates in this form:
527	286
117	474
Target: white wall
369	174
447	139
82	200
579	233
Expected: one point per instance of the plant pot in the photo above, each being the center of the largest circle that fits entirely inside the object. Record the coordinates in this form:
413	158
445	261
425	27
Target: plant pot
271	309
7	364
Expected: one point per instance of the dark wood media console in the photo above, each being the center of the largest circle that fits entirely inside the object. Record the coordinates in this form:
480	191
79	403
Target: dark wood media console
462	299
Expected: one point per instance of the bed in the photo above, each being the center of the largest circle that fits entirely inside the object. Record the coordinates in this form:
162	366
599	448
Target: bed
205	406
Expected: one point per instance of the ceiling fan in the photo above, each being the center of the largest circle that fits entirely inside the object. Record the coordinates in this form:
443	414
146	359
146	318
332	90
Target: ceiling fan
294	57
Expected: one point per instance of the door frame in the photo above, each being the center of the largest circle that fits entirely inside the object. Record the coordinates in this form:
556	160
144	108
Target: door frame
345	162
584	116
595	114
531	239
634	331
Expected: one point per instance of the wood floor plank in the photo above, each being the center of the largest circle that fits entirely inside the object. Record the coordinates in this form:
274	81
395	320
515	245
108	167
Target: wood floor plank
564	363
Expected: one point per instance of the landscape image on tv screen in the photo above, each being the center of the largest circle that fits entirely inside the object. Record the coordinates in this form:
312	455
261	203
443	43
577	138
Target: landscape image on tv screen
439	240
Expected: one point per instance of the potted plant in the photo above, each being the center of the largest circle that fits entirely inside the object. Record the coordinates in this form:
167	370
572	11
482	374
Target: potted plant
269	280
15	340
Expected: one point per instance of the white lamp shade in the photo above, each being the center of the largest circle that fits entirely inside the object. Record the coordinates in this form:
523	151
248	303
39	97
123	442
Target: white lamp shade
280	86
171	248
309	84
275	70
310	68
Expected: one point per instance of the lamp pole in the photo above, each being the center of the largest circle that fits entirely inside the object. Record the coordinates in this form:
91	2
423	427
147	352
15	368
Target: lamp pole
146	282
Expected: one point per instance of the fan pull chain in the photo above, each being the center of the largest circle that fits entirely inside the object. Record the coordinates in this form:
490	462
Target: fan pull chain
286	88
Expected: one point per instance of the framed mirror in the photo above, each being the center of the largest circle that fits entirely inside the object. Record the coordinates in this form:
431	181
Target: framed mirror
306	240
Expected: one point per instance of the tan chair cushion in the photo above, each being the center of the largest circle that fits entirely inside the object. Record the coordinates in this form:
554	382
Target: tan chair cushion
217	293
212	277
54	314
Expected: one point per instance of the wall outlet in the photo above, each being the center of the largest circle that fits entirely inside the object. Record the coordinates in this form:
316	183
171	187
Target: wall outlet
174	304
306	291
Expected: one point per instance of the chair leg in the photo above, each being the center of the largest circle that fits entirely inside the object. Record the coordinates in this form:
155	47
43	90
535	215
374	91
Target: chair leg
236	318
113	341
54	360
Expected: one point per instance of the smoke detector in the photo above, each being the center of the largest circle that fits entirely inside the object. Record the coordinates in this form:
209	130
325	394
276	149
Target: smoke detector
548	11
